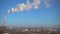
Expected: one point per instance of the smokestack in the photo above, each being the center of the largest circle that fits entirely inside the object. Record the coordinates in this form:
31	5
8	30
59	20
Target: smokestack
4	21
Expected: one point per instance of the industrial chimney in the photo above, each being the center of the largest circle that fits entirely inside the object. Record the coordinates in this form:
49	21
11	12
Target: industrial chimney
4	21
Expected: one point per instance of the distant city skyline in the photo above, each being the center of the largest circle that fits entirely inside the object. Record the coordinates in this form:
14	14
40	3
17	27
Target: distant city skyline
44	13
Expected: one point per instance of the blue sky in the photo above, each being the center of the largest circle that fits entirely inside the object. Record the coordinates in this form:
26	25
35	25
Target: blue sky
34	17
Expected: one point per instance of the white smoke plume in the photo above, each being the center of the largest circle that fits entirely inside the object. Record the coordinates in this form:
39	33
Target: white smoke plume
47	3
21	7
27	6
34	5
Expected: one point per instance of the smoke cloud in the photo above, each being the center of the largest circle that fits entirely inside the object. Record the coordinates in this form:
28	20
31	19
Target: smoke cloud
34	5
21	7
47	3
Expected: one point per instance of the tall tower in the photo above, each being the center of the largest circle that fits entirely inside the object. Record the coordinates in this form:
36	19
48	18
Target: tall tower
4	21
